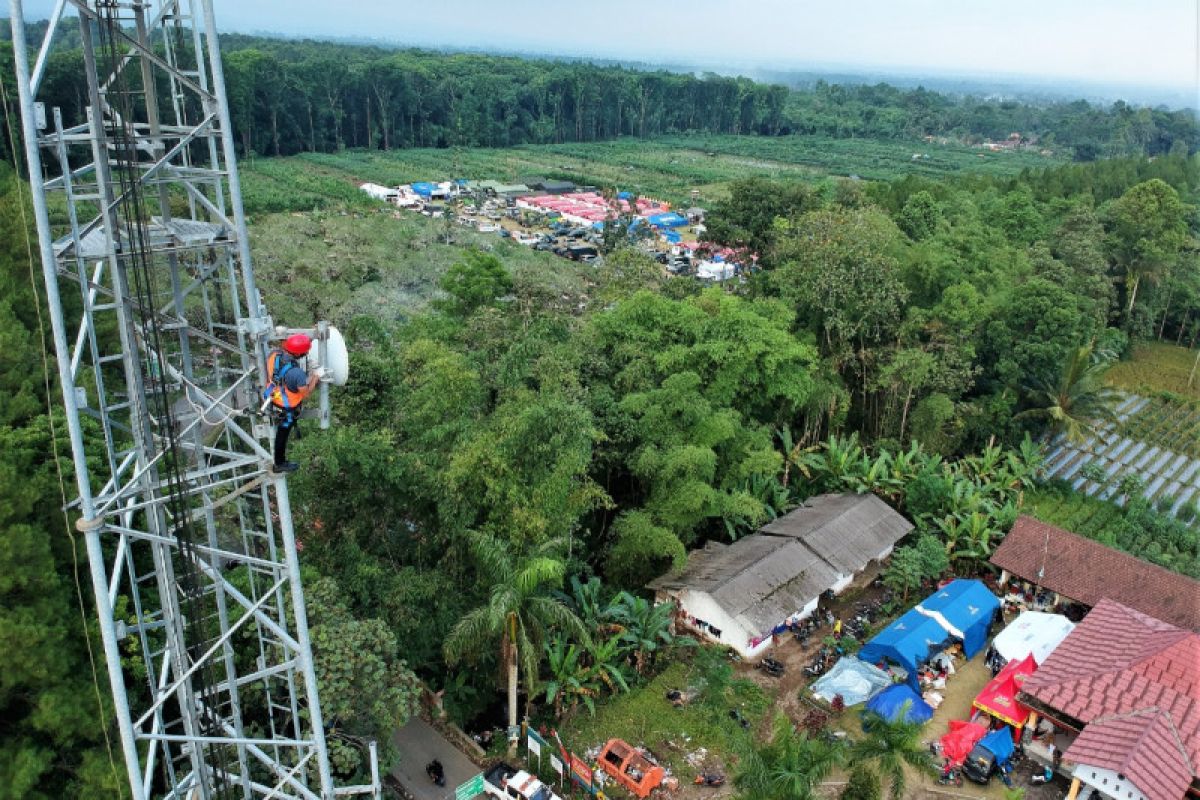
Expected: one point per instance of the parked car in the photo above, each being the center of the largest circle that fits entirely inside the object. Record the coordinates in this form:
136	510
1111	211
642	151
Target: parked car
488	227
509	783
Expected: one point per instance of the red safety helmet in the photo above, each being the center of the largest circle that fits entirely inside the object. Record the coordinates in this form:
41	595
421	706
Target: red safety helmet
298	344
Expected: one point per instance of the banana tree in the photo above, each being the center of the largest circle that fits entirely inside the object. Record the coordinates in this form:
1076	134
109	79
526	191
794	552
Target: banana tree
645	627
606	668
569	682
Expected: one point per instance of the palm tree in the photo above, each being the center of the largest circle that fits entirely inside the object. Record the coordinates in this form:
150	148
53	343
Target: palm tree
889	746
518	612
789	767
1078	400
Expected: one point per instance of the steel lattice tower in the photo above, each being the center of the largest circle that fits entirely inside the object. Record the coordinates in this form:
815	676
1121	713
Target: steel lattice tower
160	338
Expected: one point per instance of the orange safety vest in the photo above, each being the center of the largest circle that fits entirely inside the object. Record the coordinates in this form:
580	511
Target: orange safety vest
277	391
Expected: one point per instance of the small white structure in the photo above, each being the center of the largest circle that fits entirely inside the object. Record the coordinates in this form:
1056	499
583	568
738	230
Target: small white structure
1033	633
385	193
715	270
739	594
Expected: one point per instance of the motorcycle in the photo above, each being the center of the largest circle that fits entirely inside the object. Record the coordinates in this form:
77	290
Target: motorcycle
709	779
771	667
950	777
435	772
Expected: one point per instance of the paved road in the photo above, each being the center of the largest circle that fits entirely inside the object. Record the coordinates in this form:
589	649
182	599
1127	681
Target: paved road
419	743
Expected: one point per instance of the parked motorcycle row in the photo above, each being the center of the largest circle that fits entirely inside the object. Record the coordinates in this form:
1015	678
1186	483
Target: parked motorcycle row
857	625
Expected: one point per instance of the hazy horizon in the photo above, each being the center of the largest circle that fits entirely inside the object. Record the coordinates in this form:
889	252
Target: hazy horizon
1150	44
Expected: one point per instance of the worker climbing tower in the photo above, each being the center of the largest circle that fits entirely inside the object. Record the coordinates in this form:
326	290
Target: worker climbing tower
160	337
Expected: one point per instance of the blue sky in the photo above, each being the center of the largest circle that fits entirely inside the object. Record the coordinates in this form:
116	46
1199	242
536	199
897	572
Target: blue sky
1134	42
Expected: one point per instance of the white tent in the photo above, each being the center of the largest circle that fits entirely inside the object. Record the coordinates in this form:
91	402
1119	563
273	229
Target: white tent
1034	632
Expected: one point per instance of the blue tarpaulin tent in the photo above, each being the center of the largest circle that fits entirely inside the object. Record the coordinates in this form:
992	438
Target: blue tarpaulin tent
1000	743
908	641
423	188
672	237
666	220
856	681
624	195
897	699
964	608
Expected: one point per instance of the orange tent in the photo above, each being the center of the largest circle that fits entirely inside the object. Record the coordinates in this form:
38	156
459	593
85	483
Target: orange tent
999	697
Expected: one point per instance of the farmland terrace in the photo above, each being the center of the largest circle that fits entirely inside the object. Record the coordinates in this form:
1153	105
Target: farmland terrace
668	167
1155	439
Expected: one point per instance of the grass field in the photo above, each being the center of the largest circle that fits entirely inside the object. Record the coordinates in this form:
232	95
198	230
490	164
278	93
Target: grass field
668	168
337	265
1157	367
645	717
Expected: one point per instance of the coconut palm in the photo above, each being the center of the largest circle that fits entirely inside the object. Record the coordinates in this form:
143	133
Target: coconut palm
888	746
518	613
1078	400
789	767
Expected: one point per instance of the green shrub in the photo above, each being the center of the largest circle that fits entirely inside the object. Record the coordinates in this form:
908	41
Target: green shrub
863	784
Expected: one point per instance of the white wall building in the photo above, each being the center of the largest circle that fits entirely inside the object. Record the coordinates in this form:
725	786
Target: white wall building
738	594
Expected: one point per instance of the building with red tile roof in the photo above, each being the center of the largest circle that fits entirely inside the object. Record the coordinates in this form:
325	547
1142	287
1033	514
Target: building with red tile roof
1129	685
1085	571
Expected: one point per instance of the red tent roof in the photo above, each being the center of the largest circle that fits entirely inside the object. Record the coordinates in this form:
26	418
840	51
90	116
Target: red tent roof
1120	663
957	744
999	697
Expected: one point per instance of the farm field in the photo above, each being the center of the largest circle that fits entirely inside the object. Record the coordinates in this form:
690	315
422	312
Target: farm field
669	168
1154	439
1156	366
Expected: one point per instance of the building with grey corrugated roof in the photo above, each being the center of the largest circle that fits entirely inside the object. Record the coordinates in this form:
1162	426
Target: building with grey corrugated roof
737	594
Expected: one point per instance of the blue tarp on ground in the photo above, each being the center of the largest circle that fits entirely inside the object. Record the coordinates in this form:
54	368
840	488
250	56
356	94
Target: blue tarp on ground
968	606
892	701
1000	743
908	641
672	237
423	188
668	219
856	681
624	195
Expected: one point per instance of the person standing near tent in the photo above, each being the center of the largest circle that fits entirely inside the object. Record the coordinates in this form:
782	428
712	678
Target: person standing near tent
288	385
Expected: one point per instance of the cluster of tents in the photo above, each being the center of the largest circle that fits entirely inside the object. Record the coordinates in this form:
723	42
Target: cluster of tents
962	611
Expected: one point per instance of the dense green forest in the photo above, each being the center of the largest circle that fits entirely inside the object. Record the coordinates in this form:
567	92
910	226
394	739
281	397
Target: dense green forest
290	96
536	442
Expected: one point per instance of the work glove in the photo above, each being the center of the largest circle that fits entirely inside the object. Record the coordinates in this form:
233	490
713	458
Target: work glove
322	372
